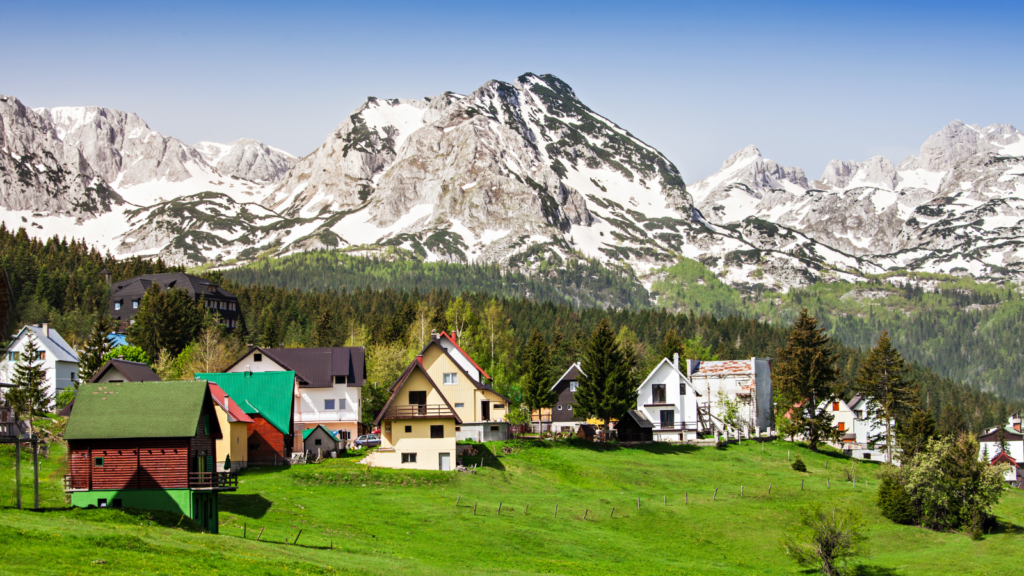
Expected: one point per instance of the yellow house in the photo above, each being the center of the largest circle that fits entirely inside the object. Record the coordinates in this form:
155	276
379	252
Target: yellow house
481	409
417	424
234	424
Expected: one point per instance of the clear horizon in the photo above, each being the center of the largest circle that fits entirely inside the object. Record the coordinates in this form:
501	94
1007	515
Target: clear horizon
804	82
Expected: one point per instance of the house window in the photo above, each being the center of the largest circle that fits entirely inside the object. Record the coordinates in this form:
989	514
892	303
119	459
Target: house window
117	305
116	503
254	445
573	385
101	503
316	441
659	393
450	378
135	304
842	426
418	397
97	462
458	428
341	379
495	428
499	406
408	429
668	417
859	414
682	389
41	355
835	406
460	405
408	458
341	404
328	404
12	356
257	357
569	406
72	376
559	406
867	456
437	431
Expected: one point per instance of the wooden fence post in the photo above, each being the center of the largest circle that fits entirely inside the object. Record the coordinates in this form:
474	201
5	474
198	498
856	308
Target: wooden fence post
638	503
715	499
741	490
245	528
827	483
499	508
260	535
459	500
556	510
612	515
687	498
801	484
527	511
769	488
585	512
297	538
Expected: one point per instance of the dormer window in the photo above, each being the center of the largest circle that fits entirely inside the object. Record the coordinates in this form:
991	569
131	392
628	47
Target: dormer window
341	379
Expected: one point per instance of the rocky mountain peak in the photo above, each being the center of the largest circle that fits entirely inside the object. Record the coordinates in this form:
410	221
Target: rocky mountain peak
247	159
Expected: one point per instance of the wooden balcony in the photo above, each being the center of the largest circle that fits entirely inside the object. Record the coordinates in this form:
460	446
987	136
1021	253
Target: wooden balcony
71	484
418	411
214	481
675	426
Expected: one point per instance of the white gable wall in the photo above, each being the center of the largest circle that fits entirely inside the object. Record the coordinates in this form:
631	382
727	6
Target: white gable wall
59	374
683	406
460	358
249	364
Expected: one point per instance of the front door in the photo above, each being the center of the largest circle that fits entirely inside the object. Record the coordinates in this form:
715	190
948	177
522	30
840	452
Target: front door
485	410
445	467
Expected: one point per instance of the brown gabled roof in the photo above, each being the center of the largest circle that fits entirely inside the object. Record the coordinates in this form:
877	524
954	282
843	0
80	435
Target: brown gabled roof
475	382
1003	457
132	371
397	387
317	367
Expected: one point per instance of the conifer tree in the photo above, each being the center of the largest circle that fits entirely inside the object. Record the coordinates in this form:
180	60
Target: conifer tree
324	333
537	392
672	344
167	319
29	396
805	374
891	394
605	390
913	434
96	348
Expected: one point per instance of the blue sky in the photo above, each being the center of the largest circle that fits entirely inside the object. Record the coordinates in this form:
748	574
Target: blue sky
805	82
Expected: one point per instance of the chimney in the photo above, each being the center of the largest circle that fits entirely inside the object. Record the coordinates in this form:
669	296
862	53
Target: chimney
1015	421
250	347
46	330
455	337
419	358
675	360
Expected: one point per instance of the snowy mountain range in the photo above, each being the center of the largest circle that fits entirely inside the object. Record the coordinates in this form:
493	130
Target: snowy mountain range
516	173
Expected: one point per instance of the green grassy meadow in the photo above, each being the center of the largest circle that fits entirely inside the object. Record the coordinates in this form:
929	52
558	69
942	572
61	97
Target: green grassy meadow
407	522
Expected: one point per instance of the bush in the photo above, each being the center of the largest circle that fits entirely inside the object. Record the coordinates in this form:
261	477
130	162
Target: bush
721	444
893	500
829	539
799	465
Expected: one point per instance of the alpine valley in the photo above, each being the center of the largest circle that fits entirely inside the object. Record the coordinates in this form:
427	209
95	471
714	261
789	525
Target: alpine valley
514	174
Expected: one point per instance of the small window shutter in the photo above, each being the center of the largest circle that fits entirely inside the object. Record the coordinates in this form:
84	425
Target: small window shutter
209	463
206	424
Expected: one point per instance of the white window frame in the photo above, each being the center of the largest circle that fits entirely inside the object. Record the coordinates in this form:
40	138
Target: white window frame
329	404
460	404
341	404
559	406
452	376
574	385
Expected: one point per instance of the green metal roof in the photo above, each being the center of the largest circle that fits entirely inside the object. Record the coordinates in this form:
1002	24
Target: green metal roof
136	410
308	431
268	394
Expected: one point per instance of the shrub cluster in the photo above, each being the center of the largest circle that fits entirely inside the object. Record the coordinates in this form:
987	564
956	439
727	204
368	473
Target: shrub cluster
799	465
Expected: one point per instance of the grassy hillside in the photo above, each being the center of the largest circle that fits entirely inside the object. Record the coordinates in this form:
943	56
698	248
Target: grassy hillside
961	329
387	521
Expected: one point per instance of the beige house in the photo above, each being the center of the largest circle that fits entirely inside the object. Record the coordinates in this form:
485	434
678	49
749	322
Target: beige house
234	427
461	382
417	423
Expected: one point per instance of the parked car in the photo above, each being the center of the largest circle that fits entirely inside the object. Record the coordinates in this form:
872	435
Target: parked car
368	441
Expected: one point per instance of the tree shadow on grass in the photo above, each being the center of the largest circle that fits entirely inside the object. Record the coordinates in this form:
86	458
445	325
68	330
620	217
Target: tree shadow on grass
248	505
484	458
870	570
1002	526
666	448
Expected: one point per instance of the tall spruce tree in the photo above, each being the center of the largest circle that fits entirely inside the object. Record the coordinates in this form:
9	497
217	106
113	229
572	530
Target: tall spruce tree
537	392
884	381
96	347
167	320
29	396
805	375
325	335
605	390
672	344
913	434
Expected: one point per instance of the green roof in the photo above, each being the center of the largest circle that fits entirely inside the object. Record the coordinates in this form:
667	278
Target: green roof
268	394
308	431
136	410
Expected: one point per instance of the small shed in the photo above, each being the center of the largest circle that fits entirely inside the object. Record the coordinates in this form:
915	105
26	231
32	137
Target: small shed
318	438
633	426
587	432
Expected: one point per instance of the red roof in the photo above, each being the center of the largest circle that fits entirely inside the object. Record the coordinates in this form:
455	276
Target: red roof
233	409
1003	457
468	357
723	367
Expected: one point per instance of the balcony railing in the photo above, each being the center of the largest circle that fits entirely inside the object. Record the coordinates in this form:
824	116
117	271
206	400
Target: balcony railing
212	480
418	411
326	416
73	485
683	426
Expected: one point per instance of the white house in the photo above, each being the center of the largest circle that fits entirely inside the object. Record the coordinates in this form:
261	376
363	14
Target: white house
58	358
843	419
869	433
747	383
328	384
989	440
668	399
